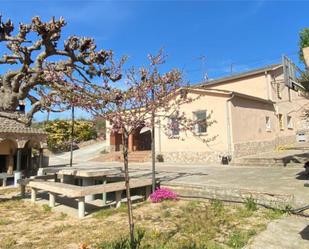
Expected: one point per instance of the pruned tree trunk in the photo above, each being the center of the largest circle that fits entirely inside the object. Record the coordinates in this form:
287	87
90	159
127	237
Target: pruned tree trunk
125	138
8	101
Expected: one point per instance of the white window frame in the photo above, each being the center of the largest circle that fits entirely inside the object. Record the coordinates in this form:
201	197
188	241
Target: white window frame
268	123
172	135
289	122
197	125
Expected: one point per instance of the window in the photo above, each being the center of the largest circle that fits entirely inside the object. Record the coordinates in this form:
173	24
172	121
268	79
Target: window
200	118
289	122
281	124
174	122
268	124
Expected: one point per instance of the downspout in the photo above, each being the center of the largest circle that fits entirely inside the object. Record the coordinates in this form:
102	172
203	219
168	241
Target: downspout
229	125
269	92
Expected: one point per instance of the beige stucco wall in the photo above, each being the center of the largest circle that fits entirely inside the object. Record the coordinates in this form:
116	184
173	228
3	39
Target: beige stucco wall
256	85
187	141
249	120
250	134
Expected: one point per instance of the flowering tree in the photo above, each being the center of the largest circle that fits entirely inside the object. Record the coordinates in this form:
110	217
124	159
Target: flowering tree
146	92
45	74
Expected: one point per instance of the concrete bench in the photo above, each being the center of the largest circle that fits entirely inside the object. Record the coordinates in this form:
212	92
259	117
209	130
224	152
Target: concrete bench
4	177
24	182
79	192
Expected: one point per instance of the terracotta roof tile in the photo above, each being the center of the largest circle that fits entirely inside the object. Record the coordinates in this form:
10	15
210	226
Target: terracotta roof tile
8	125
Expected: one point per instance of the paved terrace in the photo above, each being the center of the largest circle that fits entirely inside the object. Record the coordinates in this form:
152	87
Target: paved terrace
287	183
226	182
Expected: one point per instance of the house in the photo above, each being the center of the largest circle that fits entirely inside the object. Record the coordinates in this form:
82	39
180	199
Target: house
253	112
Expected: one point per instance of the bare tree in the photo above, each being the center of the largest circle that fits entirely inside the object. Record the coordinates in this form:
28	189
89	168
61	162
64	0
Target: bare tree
45	74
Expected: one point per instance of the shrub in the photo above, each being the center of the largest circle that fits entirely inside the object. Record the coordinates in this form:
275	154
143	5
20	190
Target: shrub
59	133
238	239
160	158
250	204
163	194
46	208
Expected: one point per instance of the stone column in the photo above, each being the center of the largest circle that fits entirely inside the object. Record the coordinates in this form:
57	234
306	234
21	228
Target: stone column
41	158
52	199
104	195
130	142
88	182
10	164
112	142
29	154
17	173
81	207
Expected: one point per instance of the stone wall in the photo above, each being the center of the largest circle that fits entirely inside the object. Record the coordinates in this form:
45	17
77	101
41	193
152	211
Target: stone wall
254	147
240	149
275	200
193	156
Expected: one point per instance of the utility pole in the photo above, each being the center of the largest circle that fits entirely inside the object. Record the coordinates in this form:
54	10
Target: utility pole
72	134
153	150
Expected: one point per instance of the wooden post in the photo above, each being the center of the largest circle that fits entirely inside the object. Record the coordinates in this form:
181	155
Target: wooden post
118	198
81	207
52	199
33	194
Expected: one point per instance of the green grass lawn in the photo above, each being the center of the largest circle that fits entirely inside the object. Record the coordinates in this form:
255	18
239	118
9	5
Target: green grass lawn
170	224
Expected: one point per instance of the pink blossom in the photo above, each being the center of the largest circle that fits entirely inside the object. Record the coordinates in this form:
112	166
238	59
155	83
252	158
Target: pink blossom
163	194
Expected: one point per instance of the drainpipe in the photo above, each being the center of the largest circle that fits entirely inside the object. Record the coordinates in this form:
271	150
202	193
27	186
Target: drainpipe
269	95
229	125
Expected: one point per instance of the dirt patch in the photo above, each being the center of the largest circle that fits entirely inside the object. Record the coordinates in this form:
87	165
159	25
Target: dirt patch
25	225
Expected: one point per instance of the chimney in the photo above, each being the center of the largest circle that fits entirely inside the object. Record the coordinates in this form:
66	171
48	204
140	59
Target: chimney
22	107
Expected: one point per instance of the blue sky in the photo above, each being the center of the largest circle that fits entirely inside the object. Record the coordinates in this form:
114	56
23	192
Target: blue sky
246	34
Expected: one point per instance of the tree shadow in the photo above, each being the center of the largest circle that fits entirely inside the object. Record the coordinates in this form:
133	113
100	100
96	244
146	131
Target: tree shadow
297	158
302	175
169	176
305	233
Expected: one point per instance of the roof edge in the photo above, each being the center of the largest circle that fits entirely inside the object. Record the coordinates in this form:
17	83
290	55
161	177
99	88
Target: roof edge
238	76
231	93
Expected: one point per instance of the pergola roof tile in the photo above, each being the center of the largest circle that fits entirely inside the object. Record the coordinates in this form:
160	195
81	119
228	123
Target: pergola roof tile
9	125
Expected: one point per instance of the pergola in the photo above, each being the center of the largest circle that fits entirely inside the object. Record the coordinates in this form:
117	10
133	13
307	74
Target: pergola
16	144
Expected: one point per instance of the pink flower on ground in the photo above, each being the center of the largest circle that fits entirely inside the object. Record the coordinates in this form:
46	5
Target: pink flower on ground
163	194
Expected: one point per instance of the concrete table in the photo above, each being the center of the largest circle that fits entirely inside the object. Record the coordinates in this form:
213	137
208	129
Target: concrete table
87	176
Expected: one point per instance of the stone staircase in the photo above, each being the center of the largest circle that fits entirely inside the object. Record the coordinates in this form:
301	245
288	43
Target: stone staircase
295	156
279	160
135	156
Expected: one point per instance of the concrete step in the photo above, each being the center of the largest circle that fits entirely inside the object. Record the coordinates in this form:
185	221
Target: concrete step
136	156
300	165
